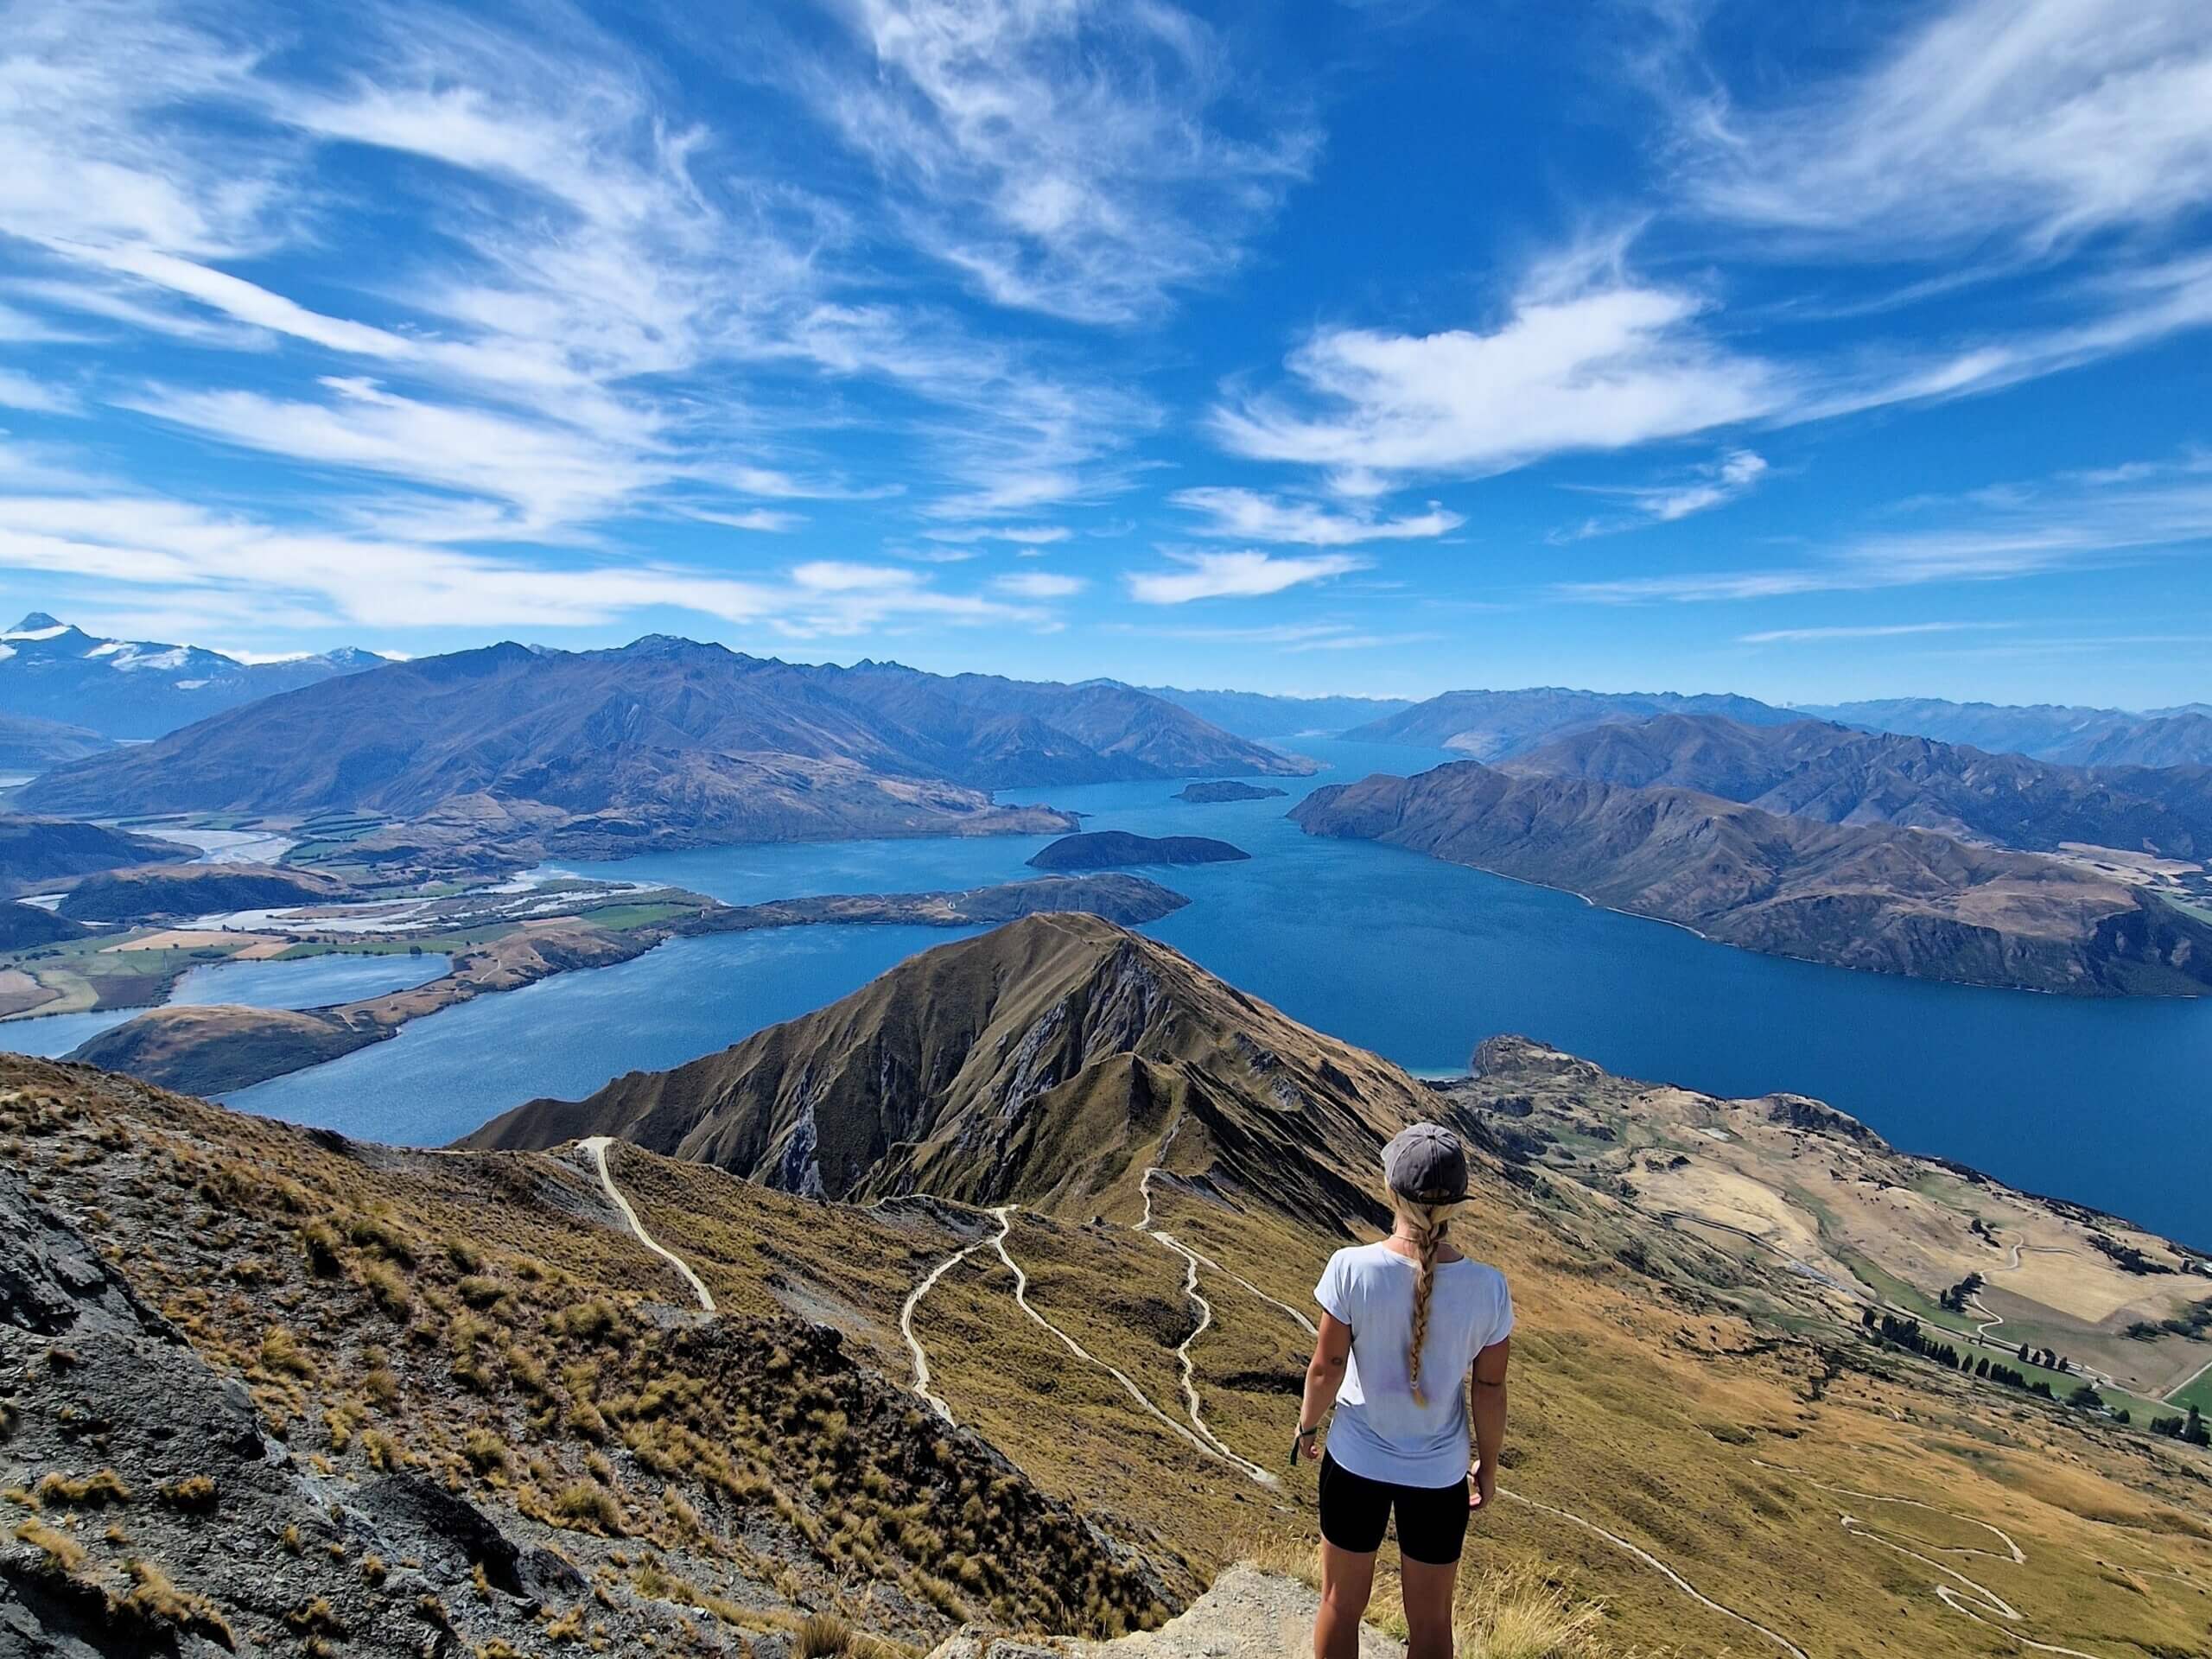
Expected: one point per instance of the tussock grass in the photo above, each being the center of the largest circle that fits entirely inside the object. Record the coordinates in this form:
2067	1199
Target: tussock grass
1519	1614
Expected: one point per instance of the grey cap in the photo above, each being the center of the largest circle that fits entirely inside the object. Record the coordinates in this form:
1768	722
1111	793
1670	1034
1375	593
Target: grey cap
1426	1164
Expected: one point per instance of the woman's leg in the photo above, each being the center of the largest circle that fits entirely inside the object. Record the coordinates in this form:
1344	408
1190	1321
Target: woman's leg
1431	1531
1347	1580
1355	1512
1429	1589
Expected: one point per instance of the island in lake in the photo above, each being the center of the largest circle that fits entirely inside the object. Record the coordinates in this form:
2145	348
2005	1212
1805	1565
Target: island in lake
1100	849
1207	794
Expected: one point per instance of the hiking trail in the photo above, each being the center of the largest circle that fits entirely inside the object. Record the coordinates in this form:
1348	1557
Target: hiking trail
596	1145
1977	1601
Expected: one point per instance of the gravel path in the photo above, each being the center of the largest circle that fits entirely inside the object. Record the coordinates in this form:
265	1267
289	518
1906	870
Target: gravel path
596	1145
1248	1614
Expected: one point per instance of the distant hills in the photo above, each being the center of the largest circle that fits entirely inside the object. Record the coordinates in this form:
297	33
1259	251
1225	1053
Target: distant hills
1497	725
31	744
1252	714
664	742
1837	774
2077	736
1869	895
34	852
133	688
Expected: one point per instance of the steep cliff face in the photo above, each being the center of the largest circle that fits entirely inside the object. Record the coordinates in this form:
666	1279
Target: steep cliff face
1868	896
1044	1062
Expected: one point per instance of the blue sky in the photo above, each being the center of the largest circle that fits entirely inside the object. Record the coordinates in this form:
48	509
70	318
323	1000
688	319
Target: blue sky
1808	352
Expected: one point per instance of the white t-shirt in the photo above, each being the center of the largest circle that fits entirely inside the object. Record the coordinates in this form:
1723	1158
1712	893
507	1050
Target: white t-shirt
1380	1431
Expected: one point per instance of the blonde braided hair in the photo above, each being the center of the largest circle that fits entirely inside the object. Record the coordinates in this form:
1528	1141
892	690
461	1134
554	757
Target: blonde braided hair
1426	1226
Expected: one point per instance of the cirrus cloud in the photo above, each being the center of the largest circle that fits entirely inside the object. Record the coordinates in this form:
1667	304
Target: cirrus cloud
1248	575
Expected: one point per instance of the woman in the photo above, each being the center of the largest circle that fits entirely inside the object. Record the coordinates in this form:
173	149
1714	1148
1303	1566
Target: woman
1402	1322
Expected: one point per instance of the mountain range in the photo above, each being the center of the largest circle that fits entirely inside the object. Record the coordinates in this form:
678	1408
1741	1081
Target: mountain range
1253	714
1497	725
664	742
1840	774
28	744
131	689
2180	736
1857	895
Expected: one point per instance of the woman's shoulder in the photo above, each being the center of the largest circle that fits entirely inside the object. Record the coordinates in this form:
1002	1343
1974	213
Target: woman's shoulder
1483	1274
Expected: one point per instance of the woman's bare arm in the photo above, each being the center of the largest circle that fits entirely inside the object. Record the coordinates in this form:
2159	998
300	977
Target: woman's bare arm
1324	1374
1487	1408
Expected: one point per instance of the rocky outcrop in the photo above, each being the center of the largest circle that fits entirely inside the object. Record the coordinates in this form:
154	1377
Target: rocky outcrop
220	1540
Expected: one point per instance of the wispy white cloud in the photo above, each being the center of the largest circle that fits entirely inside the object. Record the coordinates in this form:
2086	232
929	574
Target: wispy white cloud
766	520
1247	574
2037	121
38	397
1714	484
1871	630
1989	535
591	273
1039	584
1250	516
1066	155
1022	535
236	573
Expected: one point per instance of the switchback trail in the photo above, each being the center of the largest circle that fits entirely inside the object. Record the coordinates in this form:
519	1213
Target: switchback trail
1207	1445
596	1145
906	1325
1977	1601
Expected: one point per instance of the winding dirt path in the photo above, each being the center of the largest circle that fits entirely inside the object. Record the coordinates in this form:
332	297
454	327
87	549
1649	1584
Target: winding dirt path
921	1383
1005	1213
1964	1595
596	1145
1661	1568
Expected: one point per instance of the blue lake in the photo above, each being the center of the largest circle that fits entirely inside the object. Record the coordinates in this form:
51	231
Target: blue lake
2106	1102
303	983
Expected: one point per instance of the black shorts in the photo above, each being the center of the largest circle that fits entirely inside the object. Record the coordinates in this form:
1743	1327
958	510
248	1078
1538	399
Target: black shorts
1355	1510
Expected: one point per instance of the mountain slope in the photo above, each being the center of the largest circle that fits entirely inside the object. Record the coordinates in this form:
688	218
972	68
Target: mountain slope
1044	1062
444	1404
35	852
662	742
1496	725
28	744
2071	736
1834	774
1857	896
131	689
